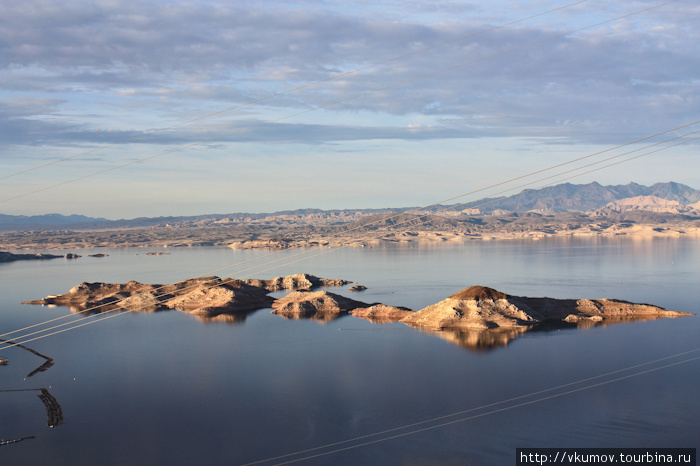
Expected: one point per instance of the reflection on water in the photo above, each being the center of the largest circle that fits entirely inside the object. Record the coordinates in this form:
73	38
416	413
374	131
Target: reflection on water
308	314
380	320
289	386
237	318
479	340
106	308
483	340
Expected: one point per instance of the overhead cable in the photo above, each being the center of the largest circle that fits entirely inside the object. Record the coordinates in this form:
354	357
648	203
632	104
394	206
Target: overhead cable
417	209
95	319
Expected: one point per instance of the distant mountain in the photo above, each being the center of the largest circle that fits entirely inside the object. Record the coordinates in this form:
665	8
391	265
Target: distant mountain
585	197
14	222
565	197
647	204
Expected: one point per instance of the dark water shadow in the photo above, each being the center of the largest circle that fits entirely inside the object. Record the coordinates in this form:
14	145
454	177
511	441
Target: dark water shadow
46	365
17	440
54	411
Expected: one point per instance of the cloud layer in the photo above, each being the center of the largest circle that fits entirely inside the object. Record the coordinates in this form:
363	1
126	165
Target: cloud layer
80	74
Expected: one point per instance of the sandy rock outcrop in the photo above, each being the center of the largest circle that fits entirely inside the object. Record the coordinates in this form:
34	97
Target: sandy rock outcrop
381	313
643	203
227	296
299	281
102	296
263	244
203	297
311	304
482	308
199	296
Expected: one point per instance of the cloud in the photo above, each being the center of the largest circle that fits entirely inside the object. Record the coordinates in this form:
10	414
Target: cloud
181	59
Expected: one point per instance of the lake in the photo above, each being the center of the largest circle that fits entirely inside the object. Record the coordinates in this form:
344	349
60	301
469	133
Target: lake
167	388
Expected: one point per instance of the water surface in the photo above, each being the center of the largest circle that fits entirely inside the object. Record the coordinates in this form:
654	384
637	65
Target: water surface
168	389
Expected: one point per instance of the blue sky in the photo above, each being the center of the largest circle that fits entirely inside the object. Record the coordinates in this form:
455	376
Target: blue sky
79	76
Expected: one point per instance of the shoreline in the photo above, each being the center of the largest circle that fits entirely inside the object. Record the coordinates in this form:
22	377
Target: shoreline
374	230
104	239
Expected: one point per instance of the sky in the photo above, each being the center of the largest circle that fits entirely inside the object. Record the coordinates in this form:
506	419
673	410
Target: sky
122	109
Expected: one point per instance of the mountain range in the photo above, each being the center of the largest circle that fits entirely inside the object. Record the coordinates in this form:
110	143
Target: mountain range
592	198
585	197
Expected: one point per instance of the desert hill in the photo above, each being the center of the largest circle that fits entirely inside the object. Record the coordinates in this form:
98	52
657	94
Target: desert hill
664	209
483	308
586	197
647	204
549	200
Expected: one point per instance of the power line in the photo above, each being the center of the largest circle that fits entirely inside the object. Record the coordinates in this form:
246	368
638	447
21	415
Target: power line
470	410
94	308
475	416
94	320
269	122
483	407
115	314
295	89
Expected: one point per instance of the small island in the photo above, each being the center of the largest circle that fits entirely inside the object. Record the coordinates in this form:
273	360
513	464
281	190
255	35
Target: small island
476	317
483	308
10	257
202	296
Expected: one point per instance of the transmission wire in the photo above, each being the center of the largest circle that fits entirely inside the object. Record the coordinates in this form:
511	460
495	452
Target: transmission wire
417	209
500	410
459	413
374	222
95	320
587	27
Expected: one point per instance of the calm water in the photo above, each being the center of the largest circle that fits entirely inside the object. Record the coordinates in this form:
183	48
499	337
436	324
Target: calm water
168	389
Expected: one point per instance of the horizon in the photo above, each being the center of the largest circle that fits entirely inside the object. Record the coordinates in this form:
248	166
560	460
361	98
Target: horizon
100	218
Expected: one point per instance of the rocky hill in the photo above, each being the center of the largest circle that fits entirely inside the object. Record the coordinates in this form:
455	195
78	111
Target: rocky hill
647	204
483	308
553	199
664	209
585	197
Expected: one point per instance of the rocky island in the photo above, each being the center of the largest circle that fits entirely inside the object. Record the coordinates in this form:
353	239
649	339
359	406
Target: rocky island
476	317
204	296
9	257
318	305
483	308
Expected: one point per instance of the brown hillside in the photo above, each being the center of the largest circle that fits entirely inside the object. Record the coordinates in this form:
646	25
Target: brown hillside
478	293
